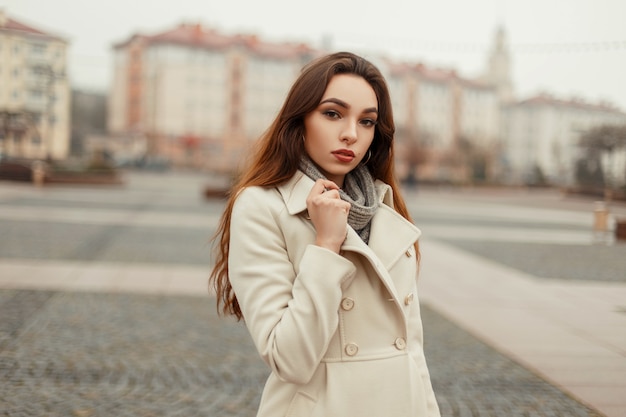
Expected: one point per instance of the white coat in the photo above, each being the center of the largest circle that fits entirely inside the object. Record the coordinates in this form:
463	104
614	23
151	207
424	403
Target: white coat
342	333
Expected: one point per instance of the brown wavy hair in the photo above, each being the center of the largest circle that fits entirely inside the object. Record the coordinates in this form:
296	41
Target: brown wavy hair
280	148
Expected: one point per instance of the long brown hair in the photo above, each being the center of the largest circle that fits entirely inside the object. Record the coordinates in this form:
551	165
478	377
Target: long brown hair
280	148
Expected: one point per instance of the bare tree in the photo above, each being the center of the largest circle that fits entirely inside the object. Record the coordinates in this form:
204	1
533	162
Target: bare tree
605	139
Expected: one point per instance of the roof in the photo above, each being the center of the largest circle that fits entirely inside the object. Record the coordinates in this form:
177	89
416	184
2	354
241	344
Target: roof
20	28
421	70
438	75
545	99
275	50
195	35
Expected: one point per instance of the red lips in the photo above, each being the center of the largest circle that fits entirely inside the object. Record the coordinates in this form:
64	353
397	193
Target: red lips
344	155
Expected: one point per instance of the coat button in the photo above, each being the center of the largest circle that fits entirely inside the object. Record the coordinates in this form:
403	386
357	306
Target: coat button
408	299
408	253
351	349
347	303
400	343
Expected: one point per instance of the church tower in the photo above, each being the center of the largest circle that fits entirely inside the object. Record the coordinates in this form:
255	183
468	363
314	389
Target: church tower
498	70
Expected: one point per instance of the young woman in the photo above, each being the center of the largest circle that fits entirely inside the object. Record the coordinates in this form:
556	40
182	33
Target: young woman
317	253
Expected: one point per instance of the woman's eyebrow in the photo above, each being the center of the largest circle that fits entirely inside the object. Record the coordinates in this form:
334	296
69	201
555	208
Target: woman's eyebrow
371	110
337	102
345	105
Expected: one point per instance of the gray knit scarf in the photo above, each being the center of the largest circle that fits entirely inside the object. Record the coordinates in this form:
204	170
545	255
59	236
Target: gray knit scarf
358	190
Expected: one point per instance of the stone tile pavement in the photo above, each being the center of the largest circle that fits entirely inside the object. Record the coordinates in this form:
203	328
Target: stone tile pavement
572	333
96	323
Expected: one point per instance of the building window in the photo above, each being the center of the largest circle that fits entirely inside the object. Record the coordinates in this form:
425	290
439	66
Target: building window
38	48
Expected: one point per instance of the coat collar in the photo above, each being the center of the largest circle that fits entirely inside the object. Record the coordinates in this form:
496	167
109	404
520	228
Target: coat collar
391	234
296	190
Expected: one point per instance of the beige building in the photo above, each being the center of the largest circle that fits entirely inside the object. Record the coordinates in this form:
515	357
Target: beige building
34	92
200	97
443	120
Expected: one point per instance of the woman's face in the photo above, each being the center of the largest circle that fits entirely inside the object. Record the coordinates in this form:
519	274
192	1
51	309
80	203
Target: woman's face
340	130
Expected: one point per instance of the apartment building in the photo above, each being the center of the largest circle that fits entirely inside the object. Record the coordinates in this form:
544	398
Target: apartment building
34	92
441	118
200	97
542	135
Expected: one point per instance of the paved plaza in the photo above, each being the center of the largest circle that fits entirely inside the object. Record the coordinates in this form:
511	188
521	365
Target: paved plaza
105	309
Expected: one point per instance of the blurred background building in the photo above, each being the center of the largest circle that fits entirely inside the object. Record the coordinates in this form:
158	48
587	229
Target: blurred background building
34	92
192	97
542	137
199	98
444	123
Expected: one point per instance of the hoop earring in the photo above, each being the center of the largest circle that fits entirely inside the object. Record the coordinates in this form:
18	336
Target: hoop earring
369	156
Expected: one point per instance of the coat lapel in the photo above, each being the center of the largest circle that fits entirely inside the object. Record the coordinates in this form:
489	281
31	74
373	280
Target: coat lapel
390	236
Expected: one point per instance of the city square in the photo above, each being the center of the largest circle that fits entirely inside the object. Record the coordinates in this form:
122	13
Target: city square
106	309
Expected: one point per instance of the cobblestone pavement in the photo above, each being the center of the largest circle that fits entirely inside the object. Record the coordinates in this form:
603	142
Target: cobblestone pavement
69	354
94	354
99	354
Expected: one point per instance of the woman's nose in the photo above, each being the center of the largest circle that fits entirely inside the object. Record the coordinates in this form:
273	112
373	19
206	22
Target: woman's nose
348	134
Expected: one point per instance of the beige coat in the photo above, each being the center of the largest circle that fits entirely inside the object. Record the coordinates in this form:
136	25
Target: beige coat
342	334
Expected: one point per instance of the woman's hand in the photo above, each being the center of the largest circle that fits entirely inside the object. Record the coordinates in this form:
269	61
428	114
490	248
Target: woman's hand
329	214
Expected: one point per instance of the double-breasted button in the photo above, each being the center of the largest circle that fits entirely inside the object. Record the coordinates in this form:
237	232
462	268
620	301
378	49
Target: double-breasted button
347	304
400	343
409	299
351	349
408	253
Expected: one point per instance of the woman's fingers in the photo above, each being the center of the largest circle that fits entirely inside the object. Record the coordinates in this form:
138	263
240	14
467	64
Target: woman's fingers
324	189
323	185
329	214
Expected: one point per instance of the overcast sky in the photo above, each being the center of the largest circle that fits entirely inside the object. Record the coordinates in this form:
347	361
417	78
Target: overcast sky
567	47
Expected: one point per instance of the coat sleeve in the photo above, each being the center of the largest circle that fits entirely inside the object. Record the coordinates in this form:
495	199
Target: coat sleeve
291	317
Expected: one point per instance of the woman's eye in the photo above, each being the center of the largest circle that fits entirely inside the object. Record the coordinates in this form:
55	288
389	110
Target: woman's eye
368	122
331	113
